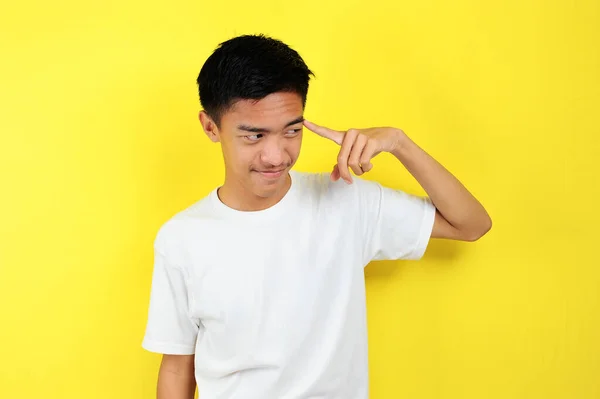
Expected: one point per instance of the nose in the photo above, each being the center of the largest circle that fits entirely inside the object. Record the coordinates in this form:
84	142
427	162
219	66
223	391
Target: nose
273	152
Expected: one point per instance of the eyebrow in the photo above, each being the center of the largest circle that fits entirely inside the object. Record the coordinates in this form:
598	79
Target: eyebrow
254	129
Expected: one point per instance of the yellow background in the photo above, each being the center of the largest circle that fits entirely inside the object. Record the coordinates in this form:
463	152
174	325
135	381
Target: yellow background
100	145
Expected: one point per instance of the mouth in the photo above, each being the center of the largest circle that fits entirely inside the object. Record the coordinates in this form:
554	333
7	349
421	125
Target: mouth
271	174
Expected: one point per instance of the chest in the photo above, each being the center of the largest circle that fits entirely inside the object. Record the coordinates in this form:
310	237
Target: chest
259	284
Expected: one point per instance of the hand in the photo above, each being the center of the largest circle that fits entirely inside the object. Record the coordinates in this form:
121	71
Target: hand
358	147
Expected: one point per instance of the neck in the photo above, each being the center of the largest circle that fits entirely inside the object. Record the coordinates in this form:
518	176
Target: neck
235	195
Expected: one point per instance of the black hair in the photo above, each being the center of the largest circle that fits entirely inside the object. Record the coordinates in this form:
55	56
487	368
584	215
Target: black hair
250	67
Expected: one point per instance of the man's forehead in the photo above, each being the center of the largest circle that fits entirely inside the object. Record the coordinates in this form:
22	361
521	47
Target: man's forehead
275	102
272	111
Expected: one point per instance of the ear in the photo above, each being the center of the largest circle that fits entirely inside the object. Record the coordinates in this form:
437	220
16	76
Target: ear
209	126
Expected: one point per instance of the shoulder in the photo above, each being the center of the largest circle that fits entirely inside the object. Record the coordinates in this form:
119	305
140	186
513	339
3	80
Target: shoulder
177	229
367	196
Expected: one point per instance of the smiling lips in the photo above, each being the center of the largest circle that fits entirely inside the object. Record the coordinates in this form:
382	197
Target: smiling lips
271	174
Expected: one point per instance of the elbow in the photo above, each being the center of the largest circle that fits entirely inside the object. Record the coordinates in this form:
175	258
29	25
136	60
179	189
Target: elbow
483	229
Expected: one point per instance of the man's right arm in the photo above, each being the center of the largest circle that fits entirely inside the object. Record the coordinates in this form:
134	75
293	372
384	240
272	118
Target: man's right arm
170	328
176	377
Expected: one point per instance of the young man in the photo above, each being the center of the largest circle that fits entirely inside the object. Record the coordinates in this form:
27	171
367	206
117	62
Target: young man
258	289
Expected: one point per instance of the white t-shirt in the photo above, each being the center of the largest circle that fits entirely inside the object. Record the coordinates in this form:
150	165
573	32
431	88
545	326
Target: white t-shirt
272	302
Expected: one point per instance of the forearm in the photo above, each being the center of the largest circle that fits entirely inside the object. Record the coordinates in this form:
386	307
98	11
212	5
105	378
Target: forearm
453	201
176	380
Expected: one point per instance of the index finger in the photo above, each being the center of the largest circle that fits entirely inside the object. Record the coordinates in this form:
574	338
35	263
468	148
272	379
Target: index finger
322	131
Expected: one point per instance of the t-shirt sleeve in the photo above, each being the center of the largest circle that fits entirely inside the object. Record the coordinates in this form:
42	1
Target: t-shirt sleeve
169	329
397	225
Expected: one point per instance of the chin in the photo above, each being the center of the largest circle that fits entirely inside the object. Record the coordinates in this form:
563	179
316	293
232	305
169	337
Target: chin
266	186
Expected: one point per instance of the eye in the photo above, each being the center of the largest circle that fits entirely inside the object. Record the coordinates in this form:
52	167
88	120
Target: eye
292	132
253	137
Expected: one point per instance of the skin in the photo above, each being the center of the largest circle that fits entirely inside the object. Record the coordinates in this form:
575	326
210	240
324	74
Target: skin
176	378
261	142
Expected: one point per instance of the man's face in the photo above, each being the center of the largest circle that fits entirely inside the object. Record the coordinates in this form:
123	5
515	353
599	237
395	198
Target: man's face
261	142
